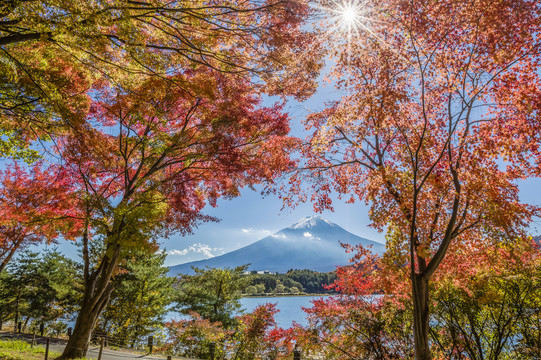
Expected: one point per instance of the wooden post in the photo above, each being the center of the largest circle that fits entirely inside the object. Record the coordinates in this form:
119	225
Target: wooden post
168	357
47	349
150	343
33	338
41	329
212	350
101	348
69	332
296	354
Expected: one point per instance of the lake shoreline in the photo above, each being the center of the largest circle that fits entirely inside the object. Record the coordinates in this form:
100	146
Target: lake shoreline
245	296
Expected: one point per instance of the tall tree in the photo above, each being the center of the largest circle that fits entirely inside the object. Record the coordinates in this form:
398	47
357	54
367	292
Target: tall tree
24	272
54	290
40	287
161	104
213	294
439	121
154	157
6	299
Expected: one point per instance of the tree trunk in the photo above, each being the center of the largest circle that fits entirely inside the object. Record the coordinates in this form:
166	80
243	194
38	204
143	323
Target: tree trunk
98	289
80	339
420	317
16	317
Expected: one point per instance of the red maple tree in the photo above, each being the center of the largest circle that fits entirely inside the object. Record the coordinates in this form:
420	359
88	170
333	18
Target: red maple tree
36	205
439	121
147	161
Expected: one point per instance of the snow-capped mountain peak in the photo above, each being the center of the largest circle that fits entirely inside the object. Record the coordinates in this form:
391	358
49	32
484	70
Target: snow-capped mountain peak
309	222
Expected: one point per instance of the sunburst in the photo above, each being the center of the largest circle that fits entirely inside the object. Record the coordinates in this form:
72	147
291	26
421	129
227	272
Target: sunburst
347	21
350	17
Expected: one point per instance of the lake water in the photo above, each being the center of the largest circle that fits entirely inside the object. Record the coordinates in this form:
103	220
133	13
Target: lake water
290	308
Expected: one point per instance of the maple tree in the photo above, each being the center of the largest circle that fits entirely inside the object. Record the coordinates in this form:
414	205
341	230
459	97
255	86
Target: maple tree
360	322
55	54
152	108
35	206
192	337
439	121
487	307
257	336
147	161
484	305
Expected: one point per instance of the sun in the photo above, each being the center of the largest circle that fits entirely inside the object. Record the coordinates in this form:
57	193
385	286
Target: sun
349	14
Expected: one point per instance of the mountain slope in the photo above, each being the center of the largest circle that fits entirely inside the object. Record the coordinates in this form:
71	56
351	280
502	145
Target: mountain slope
311	243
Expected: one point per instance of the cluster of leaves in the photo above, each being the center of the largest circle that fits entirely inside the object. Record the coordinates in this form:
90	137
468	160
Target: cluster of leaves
56	54
40	288
255	337
488	308
360	322
36	205
484	305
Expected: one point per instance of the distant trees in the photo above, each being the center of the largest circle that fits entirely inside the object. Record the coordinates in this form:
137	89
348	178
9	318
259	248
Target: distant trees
293	282
313	282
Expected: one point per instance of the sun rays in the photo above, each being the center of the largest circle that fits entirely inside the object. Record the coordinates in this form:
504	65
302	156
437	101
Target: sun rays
350	16
346	21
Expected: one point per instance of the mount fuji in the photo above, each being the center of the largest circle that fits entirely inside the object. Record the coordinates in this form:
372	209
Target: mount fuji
312	243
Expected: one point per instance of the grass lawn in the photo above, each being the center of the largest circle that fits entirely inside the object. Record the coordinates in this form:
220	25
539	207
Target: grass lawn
21	350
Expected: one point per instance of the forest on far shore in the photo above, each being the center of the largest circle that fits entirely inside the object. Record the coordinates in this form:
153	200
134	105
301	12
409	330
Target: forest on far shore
293	282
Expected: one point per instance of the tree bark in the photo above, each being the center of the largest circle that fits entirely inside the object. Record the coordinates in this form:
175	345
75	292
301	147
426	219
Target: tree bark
77	345
17	38
16	317
98	289
420	316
